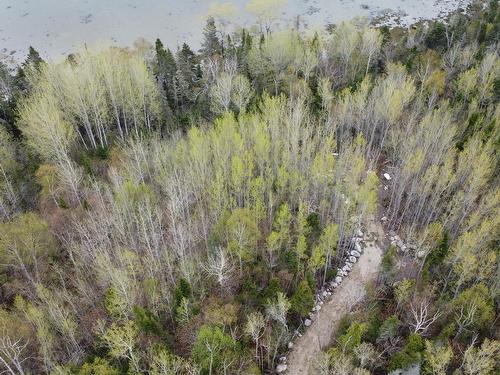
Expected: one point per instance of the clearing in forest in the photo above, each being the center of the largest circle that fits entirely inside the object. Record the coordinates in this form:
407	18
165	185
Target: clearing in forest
352	290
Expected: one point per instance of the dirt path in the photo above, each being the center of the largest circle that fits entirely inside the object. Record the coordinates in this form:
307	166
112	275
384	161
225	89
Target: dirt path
352	290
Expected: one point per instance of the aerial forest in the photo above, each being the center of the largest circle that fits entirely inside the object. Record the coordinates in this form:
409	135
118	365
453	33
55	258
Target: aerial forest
165	210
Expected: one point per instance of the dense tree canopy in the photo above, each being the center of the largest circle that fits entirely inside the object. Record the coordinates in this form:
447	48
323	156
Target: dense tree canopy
172	212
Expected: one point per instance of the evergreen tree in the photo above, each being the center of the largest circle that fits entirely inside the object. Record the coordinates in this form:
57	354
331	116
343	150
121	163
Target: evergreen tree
165	71
211	44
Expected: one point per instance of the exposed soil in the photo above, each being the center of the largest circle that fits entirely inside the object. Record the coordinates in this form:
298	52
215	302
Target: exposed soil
352	291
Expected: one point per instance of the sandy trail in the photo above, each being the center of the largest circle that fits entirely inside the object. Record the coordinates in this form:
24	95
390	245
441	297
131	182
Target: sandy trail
352	290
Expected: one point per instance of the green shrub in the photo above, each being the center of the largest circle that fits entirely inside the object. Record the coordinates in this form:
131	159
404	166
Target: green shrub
303	299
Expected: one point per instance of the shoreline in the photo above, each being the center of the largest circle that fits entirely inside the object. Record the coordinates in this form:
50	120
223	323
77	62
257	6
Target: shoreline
312	15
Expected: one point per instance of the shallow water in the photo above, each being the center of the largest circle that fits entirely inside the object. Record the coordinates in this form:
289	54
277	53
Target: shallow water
58	27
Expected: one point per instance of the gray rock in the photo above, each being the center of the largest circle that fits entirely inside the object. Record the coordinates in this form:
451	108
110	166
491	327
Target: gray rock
281	368
318	307
355	253
420	254
283	359
290	345
325	293
384	218
307	322
359	233
335	285
413	370
358	248
392	233
353	259
338	279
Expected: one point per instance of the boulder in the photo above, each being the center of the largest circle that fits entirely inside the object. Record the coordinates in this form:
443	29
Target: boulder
358	248
338	279
290	345
355	253
353	259
283	359
359	233
318	307
307	322
325	293
384	219
281	368
335	285
421	254
387	176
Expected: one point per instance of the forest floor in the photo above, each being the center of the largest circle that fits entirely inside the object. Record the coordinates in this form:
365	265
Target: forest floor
319	335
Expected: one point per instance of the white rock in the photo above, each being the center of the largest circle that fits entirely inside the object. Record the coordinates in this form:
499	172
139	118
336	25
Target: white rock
281	368
355	253
321	303
392	233
283	359
329	294
314	309
325	293
359	233
290	345
386	187
387	176
335	285
352	259
421	254
307	322
391	238
384	218
358	248
318	307
338	279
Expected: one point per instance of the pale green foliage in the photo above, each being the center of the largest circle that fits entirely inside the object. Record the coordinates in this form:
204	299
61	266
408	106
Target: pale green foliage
277	308
483	360
104	91
254	326
26	244
437	357
278	53
165	363
121	342
403	290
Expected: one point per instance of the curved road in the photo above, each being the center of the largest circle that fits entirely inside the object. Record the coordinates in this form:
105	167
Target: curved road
352	290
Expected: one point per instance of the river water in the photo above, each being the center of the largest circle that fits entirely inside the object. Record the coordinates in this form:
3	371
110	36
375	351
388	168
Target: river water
58	27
